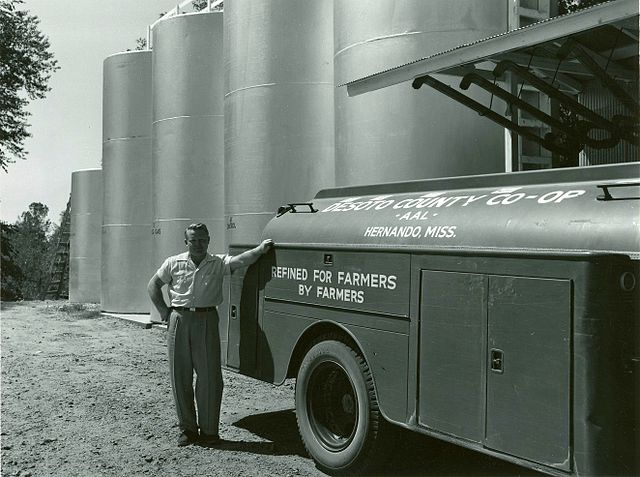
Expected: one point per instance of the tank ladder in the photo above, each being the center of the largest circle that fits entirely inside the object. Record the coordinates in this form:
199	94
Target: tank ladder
58	286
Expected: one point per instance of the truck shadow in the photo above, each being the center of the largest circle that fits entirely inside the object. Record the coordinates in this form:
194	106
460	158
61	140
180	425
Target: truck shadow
279	428
418	455
415	455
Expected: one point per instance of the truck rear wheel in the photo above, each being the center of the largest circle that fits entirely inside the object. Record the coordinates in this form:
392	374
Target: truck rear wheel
337	409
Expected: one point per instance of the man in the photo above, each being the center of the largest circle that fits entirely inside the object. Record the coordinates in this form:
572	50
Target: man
194	279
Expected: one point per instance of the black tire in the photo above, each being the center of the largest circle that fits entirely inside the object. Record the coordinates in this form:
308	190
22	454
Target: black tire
337	409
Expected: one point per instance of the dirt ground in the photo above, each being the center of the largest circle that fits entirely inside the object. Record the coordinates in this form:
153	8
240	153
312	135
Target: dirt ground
88	395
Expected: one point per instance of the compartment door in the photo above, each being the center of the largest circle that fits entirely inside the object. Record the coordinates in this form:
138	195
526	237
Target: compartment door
243	319
453	340
529	369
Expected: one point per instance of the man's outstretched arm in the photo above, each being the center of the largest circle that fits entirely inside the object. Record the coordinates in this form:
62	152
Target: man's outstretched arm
250	256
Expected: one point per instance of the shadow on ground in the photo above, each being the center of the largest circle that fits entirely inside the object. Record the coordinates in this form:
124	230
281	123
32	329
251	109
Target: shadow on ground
7	305
280	428
416	455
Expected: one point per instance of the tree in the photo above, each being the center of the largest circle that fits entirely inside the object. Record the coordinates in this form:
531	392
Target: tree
32	250
10	274
26	65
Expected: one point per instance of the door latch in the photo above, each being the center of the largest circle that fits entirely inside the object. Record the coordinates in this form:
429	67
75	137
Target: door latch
497	360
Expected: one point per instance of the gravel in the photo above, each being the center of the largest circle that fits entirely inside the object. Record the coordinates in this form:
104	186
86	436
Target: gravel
89	395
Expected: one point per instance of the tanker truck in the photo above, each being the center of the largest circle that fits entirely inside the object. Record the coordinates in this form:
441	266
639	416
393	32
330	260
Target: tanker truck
497	312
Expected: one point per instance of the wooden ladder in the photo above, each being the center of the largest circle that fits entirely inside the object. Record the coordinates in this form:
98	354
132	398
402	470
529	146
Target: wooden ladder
58	286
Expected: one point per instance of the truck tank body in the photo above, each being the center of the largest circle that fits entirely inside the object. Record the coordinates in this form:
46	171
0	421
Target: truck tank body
85	248
126	166
188	132
499	312
496	212
278	108
398	133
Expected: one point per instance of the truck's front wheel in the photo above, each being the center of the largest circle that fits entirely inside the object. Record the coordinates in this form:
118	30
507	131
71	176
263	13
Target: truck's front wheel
337	409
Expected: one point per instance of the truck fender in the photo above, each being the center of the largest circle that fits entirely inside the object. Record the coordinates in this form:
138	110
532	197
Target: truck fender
309	336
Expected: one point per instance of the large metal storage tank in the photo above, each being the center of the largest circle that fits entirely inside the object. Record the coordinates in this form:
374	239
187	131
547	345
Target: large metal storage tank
188	131
126	156
85	247
398	133
278	108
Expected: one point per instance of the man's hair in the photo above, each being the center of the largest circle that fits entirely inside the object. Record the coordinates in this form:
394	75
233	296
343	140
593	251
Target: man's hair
195	227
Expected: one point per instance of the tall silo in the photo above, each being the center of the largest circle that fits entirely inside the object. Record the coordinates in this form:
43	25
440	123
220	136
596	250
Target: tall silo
126	165
398	133
85	248
188	131
278	109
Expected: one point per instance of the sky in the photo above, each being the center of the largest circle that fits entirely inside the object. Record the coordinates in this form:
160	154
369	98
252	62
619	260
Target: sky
66	126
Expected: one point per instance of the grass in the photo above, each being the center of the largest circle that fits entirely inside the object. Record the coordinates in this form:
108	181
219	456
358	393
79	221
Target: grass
77	310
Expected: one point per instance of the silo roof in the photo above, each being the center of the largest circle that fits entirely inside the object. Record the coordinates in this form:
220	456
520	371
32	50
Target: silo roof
607	32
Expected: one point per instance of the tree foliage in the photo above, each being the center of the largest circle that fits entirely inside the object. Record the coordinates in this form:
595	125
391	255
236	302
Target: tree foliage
141	44
32	250
199	5
10	274
26	65
569	6
28	249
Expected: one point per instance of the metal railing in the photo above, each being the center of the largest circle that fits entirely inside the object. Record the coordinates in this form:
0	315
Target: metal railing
178	10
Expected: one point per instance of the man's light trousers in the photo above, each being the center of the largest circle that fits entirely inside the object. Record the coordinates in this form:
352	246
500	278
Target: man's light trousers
194	345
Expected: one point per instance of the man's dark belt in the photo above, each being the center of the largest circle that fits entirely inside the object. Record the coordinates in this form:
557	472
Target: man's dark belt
193	308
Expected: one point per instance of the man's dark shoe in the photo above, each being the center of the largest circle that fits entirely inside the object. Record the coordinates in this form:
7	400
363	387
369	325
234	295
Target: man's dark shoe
187	438
209	440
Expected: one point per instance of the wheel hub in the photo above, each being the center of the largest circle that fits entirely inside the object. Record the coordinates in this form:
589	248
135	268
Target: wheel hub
333	407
